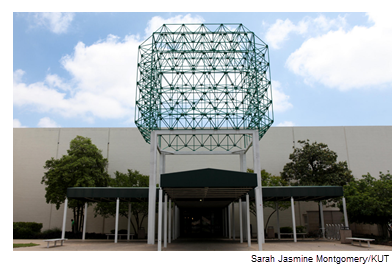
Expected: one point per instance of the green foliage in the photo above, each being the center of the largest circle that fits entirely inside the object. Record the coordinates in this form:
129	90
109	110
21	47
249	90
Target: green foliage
22	245
300	229
369	200
26	230
315	165
83	166
269	180
139	209
286	229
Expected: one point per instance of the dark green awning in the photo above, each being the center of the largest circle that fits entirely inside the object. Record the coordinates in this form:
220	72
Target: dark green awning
300	193
98	194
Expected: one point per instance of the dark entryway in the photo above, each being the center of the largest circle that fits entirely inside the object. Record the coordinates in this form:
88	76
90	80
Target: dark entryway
201	222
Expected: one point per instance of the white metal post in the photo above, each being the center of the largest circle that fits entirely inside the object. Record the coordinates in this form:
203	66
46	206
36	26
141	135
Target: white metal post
229	219
129	221
293	217
277	218
258	190
64	217
160	220
345	213
170	226
152	189
243	207
165	223
232	219
322	219
116	226
248	220
84	221
240	213
174	222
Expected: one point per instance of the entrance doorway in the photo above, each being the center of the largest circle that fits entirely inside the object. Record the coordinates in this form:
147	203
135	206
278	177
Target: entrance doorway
201	222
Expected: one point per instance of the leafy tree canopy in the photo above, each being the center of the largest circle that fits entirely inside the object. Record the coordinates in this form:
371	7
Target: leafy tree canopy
269	180
139	209
315	165
369	200
83	166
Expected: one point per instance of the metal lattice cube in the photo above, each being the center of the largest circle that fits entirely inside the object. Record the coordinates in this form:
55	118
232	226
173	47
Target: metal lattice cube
199	77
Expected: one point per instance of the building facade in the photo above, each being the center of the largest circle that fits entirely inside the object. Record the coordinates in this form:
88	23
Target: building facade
365	148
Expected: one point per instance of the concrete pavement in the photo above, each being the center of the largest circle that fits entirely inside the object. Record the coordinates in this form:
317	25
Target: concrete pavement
199	245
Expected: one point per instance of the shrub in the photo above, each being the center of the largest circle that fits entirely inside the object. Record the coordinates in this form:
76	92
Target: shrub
286	229
300	229
122	231
26	229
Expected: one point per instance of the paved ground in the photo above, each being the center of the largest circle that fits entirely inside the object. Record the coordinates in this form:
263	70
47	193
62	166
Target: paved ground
199	245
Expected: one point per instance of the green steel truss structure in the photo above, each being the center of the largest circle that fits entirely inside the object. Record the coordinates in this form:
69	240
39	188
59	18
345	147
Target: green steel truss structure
203	77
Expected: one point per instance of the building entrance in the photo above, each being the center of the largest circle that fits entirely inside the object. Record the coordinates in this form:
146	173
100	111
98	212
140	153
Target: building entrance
201	222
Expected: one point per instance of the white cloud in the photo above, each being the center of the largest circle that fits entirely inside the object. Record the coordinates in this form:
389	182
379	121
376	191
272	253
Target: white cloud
157	22
56	22
280	99
279	32
17	123
103	79
103	83
360	57
285	124
47	122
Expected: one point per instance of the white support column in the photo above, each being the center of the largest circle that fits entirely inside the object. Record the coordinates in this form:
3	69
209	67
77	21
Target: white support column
116	225
322	219
160	220
248	220
293	217
152	189
64	217
225	218
178	222
229	219
165	223
174	222
258	190
345	213
233	220
277	218
240	213
243	207
84	221
170	226
129	221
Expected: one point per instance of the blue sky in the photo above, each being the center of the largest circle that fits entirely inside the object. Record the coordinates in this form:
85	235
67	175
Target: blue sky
79	69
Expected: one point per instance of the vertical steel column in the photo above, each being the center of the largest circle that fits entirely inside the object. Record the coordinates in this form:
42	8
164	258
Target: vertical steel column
240	213
258	190
64	217
160	220
165	223
277	218
248	220
229	219
322	219
116	226
152	189
84	221
293	217
129	221
233	220
169	224
345	214
243	207
174	222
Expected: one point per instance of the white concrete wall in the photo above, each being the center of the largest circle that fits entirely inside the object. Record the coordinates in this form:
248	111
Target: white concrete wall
367	149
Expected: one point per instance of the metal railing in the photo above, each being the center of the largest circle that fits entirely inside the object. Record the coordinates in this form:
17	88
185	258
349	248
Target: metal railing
332	231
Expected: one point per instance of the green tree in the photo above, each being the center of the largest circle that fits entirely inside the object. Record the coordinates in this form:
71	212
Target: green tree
369	200
315	165
269	180
139	209
83	166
